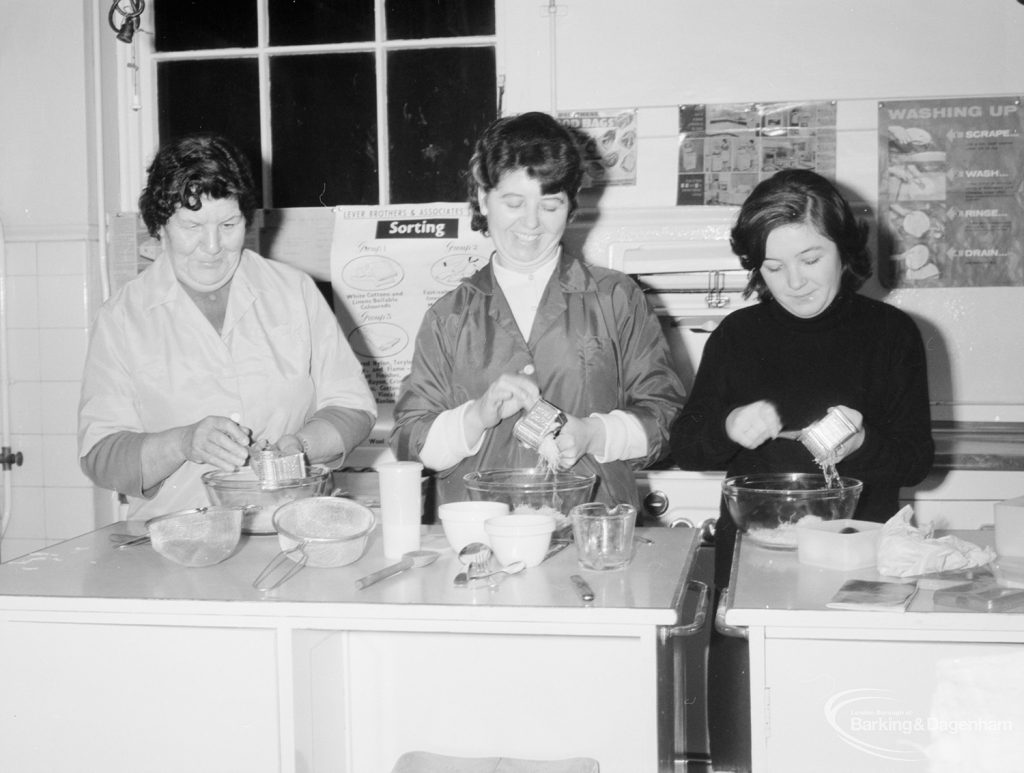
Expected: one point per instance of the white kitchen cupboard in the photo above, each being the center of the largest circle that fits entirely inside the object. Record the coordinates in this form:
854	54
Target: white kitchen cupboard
929	689
118	660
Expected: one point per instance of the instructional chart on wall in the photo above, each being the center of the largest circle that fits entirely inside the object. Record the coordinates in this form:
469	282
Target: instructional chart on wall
951	191
725	150
388	265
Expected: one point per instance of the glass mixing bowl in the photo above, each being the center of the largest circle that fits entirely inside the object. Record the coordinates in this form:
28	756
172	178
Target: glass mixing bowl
529	490
767	506
260	500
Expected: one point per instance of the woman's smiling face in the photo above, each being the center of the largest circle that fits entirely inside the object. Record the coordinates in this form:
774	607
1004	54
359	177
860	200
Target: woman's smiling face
802	269
205	245
525	224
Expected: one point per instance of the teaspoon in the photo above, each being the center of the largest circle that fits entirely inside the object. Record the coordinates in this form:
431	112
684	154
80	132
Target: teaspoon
514	568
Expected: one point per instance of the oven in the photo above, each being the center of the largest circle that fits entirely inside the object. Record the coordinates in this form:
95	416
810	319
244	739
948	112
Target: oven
692	283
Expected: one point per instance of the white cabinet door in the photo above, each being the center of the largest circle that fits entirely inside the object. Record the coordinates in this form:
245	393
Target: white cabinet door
137	699
892	706
503	694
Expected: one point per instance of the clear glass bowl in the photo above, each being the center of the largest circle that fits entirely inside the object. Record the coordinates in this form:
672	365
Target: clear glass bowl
529	490
260	500
767	506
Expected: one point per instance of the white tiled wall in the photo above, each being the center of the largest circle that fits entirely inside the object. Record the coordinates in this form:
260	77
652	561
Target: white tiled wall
47	326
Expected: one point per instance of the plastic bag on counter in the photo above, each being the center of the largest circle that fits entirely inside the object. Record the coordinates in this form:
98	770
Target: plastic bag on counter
905	550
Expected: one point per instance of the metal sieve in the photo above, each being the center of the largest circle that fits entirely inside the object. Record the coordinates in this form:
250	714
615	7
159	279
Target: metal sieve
318	531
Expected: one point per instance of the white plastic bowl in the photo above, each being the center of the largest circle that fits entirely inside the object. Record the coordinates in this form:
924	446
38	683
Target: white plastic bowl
463	522
520	537
841	544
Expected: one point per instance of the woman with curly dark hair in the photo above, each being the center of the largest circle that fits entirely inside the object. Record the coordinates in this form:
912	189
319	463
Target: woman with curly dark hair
812	343
212	347
536	321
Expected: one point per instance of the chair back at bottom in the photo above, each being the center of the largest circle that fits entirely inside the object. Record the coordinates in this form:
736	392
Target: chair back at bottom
428	762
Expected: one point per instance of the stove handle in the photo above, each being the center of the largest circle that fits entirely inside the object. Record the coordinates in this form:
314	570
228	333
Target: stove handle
736	631
700	614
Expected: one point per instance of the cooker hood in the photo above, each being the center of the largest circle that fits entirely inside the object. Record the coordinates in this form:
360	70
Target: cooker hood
680	256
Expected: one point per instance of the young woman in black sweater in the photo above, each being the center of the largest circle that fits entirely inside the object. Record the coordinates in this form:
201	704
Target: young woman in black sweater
812	343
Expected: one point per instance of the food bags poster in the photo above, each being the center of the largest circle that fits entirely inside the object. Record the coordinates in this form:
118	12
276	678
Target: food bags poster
951	191
725	150
609	142
388	265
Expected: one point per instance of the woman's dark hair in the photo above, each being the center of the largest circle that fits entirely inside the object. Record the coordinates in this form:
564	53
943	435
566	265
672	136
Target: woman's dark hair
799	196
536	142
186	169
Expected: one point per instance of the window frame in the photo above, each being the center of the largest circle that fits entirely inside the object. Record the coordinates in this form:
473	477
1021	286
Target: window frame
137	115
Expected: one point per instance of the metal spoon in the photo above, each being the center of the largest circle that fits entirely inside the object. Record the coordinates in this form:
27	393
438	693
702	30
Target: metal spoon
414	559
514	568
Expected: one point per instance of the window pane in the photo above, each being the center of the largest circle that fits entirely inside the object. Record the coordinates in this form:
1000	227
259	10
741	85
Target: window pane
324	123
418	19
439	101
219	95
304	22
187	25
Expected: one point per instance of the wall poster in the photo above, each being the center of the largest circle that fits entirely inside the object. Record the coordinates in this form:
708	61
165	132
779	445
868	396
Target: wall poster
388	265
609	151
725	150
951	191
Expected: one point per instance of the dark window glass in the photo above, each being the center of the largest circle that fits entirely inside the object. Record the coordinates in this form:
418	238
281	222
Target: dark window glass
439	100
219	95
323	111
188	25
304	22
418	19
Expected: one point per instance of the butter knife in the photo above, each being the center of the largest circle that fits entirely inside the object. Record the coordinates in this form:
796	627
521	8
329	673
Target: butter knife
582	588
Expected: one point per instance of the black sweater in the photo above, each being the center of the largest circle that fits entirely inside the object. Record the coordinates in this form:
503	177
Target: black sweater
859	352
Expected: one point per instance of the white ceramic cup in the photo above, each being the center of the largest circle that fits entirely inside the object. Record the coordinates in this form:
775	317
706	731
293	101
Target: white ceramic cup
463	522
401	506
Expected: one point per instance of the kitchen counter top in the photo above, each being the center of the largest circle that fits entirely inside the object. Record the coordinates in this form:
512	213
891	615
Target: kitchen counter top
119	660
773	587
90	571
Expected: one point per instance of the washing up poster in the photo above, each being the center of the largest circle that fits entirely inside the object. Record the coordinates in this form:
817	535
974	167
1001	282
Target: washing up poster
951	191
725	150
388	265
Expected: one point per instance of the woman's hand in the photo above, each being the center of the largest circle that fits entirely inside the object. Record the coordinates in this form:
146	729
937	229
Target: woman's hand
751	425
506	396
578	437
216	440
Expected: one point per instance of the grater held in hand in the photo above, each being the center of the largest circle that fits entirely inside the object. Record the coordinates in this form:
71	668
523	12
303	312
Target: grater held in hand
272	467
541	421
823	437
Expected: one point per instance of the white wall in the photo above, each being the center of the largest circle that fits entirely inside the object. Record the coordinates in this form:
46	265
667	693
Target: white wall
650	54
658	54
46	205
